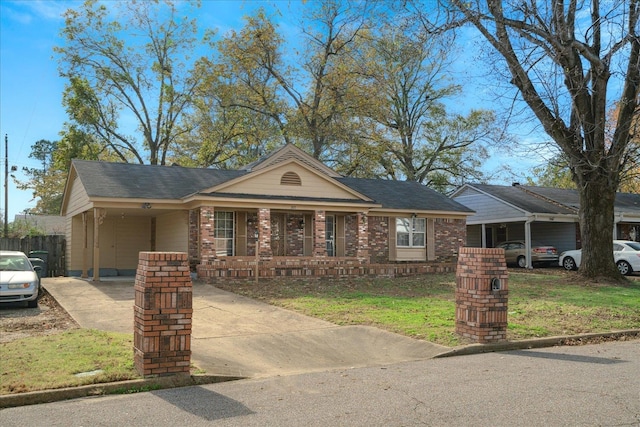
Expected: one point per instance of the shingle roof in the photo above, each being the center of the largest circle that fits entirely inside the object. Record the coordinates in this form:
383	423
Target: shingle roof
129	180
567	197
403	195
525	199
628	203
553	200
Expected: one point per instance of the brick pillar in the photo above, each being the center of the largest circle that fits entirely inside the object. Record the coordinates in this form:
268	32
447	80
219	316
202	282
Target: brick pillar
319	234
482	294
362	251
207	234
264	234
194	238
162	314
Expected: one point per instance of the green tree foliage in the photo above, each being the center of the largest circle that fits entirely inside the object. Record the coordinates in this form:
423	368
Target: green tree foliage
404	90
47	183
129	81
364	97
302	95
40	182
555	173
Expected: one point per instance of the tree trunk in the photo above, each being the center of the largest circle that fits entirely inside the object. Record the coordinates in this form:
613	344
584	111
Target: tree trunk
596	217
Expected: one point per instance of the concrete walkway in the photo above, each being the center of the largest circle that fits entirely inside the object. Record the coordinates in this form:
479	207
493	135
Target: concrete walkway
238	336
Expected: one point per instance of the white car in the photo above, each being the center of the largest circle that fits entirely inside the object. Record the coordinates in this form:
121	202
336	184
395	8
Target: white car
626	254
19	281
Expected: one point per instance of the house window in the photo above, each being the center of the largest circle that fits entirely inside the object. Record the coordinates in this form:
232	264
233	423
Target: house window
223	233
410	232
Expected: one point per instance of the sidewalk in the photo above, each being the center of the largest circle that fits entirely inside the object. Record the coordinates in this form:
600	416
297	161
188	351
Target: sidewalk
237	336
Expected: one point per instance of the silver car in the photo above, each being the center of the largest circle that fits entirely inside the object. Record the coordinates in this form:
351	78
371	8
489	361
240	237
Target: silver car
515	253
19	281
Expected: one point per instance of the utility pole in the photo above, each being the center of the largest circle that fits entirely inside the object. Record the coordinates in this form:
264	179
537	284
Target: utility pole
6	185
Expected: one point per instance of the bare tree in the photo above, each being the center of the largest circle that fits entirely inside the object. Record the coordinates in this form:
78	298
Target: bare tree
567	59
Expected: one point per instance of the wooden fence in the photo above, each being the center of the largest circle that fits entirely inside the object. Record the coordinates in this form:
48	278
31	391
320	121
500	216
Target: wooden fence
53	245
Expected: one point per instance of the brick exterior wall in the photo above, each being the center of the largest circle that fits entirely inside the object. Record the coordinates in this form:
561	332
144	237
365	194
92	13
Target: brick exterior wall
307	268
194	238
207	236
162	314
449	236
295	235
350	235
362	223
264	233
378	239
319	240
481	311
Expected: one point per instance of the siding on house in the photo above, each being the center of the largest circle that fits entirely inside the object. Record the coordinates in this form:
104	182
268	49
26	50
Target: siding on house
133	235
120	242
312	185
560	235
79	199
487	208
474	236
172	232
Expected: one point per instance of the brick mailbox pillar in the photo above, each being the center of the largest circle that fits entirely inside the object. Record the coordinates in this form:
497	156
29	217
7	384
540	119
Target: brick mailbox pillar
482	294
162	314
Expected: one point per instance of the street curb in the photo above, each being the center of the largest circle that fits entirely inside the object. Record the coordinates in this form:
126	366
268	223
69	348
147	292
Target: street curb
158	383
120	387
536	343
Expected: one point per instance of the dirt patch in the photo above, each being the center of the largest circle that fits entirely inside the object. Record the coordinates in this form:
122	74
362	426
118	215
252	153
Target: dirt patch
17	321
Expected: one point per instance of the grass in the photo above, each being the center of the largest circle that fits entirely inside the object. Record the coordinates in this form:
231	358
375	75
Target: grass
52	361
553	303
540	305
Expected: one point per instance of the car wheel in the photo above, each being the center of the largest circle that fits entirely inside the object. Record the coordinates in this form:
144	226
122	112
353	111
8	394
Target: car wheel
33	304
624	268
569	263
522	262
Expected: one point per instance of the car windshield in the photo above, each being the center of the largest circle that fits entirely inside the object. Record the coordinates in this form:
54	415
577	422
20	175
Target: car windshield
14	263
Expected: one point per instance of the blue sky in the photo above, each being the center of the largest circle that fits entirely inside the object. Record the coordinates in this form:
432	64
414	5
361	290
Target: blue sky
31	90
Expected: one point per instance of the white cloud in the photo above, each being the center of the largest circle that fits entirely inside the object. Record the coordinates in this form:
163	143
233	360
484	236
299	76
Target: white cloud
24	12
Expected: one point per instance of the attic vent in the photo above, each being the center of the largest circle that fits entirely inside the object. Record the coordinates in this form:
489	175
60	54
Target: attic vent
290	178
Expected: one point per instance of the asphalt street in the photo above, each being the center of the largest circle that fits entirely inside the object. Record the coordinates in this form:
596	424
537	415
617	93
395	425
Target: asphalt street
591	385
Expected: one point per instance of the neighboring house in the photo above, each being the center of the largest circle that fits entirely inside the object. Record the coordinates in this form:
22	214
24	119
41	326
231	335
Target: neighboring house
303	218
50	225
536	214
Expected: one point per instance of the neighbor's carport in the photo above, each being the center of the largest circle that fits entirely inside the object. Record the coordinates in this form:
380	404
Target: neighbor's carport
517	213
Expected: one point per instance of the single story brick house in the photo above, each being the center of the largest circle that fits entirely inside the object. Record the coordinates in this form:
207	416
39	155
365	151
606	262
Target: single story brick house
537	214
286	214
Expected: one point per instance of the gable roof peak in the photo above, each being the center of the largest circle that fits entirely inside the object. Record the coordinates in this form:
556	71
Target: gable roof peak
287	152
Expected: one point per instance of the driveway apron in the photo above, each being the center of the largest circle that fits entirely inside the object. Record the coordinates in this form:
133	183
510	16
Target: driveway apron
238	336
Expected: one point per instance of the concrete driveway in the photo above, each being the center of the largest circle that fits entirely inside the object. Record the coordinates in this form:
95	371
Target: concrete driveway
238	336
